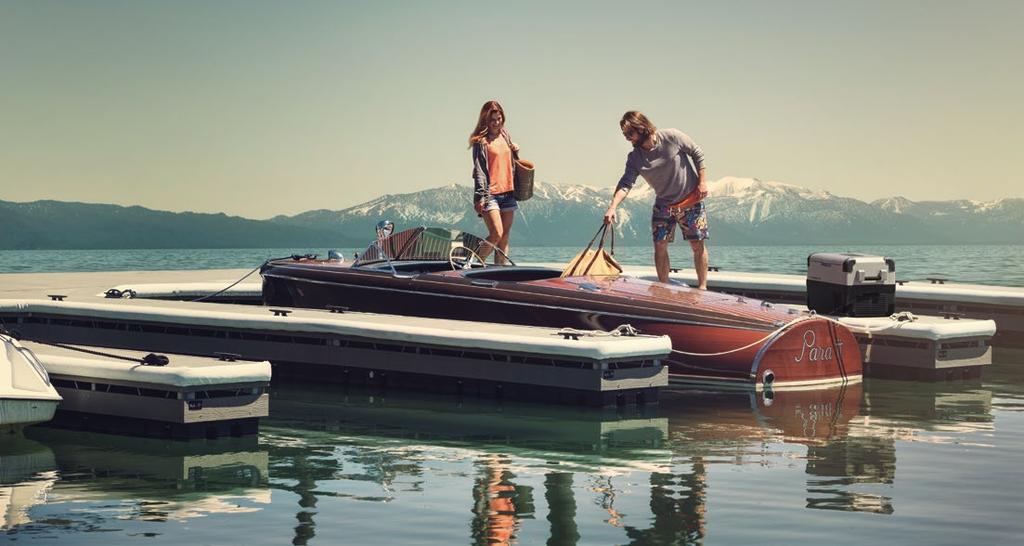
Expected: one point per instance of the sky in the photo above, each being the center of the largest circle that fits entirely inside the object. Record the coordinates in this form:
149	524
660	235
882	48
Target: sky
259	108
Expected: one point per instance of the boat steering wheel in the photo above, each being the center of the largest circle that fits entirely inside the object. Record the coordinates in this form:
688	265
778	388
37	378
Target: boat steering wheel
467	262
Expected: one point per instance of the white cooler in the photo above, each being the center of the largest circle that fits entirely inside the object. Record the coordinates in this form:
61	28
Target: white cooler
851	284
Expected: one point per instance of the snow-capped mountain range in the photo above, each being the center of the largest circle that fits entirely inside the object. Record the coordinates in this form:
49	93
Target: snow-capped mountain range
741	211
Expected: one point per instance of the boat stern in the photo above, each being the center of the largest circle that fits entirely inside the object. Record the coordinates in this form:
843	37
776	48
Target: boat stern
810	353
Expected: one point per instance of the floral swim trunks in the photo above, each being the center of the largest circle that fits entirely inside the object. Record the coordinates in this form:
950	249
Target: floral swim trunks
693	222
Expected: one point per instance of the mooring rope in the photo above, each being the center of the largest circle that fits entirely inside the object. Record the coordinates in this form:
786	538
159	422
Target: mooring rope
749	345
151	359
902	317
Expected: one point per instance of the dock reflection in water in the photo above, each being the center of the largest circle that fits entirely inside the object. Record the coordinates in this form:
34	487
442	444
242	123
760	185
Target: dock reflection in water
708	467
132	478
397	441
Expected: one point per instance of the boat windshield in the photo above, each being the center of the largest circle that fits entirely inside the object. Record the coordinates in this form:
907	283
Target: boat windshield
421	244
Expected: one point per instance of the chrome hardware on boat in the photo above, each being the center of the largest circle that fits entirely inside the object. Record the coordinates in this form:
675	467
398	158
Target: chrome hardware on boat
385	228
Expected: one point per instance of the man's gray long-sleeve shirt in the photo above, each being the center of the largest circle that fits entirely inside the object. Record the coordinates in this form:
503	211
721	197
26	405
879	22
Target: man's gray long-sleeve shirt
671	168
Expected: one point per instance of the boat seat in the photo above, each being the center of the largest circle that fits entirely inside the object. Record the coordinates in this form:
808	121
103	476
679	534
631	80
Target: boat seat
513	274
415	267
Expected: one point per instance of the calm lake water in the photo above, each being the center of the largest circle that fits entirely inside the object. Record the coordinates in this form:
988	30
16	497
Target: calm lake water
886	462
883	462
984	264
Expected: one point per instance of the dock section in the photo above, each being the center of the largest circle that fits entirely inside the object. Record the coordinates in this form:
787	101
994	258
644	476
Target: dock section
178	397
927	348
589	368
936	297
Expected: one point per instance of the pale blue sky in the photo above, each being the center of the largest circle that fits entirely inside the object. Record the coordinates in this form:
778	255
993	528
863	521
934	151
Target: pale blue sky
263	108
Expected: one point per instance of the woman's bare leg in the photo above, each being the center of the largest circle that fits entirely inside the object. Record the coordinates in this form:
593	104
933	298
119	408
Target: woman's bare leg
492	219
507	217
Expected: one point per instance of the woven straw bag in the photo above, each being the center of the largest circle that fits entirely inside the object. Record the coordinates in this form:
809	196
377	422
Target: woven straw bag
595	262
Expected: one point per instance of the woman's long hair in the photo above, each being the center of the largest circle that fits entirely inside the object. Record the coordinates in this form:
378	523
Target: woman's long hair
639	123
486	110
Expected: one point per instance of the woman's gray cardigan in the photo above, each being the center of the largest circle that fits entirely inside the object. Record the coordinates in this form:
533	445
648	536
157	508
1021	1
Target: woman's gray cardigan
481	175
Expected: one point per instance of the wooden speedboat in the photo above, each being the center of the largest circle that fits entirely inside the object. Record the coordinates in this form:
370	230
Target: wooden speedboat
437	272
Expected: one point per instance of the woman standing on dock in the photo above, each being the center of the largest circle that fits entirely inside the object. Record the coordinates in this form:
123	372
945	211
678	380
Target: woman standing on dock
492	177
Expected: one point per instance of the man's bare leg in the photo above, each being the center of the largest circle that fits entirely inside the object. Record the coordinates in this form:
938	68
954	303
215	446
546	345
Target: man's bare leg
700	263
661	262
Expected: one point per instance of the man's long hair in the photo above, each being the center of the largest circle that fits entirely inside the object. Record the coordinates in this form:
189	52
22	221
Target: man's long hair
480	132
639	123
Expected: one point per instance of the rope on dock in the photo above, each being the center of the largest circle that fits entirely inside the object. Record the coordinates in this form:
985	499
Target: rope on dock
151	359
625	330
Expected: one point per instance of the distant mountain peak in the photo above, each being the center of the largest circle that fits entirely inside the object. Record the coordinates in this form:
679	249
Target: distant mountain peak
895	205
755	188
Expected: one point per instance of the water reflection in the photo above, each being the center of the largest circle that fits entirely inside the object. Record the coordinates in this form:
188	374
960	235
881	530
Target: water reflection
893	411
674	449
149	480
455	471
738	427
27	473
498	503
396	433
1006	374
929	412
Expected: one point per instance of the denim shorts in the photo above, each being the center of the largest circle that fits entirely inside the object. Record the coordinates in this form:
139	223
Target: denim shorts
501	202
693	222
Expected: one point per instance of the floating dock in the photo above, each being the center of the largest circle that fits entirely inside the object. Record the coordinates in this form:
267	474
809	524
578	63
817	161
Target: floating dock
925	348
933	296
188	397
377	350
381	351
